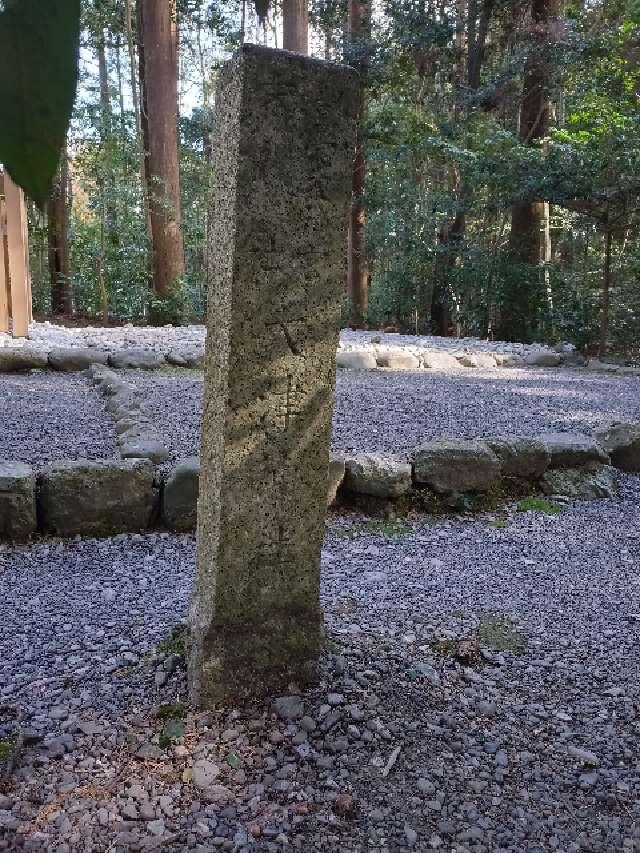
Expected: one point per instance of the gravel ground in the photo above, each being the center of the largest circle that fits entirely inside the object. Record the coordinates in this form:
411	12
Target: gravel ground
47	416
393	412
45	335
532	745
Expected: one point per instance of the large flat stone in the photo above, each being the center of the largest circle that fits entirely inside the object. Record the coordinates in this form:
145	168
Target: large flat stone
354	360
79	358
191	358
377	475
589	482
17	501
143	446
542	358
520	458
622	443
450	465
179	500
398	360
571	450
435	360
142	359
14	359
96	497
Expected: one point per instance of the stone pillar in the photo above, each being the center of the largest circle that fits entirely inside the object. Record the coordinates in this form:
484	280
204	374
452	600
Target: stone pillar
282	155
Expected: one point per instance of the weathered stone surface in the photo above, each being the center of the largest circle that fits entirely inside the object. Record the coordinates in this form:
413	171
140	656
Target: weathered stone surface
571	450
136	358
186	358
523	458
572	359
179	500
377	475
586	483
507	359
96	497
282	159
336	476
484	360
21	358
79	358
397	360
542	358
144	447
450	465
440	361
622	443
17	501
123	403
356	360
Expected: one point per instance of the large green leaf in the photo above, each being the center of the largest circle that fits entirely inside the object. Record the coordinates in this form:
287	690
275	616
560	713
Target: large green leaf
39	43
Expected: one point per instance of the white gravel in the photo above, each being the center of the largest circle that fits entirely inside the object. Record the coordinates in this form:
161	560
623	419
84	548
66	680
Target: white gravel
44	336
393	412
46	417
527	749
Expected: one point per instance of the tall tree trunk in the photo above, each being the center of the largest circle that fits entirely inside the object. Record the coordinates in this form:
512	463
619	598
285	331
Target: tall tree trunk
359	23
606	289
159	84
128	17
524	287
452	234
295	26
58	241
106	130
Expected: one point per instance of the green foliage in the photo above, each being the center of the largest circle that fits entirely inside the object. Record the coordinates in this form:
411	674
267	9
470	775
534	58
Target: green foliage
7	746
177	710
172	730
538	505
38	75
174	308
497	633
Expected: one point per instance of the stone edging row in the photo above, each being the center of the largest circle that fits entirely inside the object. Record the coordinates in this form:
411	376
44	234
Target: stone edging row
14	359
95	498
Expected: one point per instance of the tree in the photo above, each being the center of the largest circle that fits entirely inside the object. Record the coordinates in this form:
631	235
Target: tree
158	51
58	241
295	26
529	238
359	26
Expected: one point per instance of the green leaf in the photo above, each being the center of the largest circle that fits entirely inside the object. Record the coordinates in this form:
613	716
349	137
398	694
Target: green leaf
39	44
173	730
233	760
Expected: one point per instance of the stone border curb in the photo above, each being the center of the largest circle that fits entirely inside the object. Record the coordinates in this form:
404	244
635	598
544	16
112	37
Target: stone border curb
118	496
375	356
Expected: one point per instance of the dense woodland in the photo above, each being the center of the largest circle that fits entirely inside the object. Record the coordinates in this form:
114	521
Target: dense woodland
496	186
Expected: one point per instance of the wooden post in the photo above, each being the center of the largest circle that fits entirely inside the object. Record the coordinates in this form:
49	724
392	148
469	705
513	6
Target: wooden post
27	266
18	285
4	272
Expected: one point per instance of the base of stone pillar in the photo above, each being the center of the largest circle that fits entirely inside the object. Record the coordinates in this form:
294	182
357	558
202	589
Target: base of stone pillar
251	661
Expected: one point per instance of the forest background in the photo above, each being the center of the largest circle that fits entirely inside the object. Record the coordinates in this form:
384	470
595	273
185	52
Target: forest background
496	182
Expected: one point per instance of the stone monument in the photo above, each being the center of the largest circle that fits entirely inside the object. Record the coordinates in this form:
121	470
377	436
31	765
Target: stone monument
282	150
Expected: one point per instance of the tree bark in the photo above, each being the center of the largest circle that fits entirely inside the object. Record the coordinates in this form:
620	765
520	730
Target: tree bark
159	85
606	290
137	113
452	234
295	26
359	23
58	241
528	249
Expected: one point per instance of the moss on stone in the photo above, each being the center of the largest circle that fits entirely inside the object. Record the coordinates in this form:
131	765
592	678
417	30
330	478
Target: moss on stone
498	633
